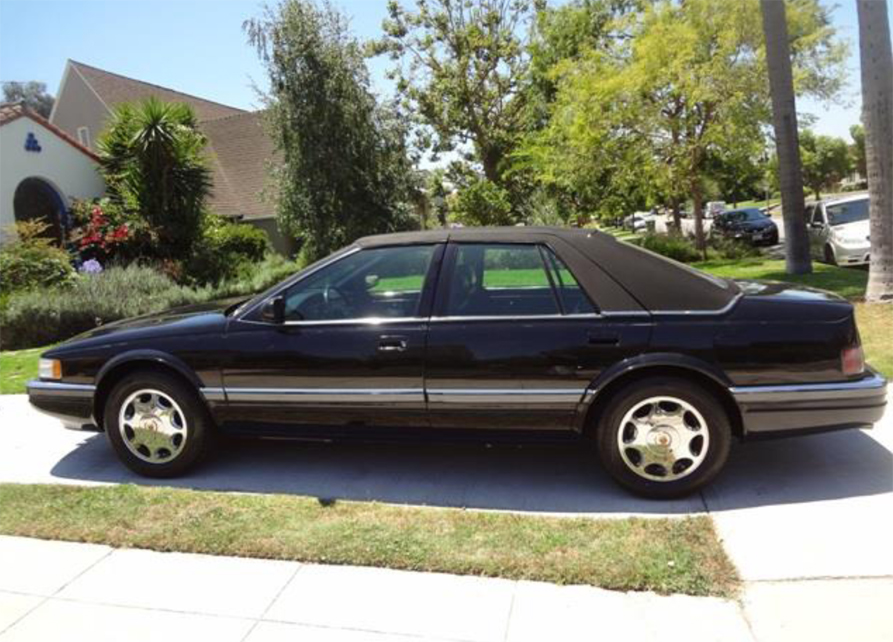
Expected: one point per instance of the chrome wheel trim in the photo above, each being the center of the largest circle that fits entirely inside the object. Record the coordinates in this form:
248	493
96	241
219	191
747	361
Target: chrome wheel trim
663	439
152	426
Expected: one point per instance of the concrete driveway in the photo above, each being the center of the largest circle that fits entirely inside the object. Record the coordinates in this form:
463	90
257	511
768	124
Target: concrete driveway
810	507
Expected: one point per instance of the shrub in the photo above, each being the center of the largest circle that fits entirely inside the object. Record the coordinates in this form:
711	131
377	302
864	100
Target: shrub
31	319
104	231
673	246
31	261
731	249
224	247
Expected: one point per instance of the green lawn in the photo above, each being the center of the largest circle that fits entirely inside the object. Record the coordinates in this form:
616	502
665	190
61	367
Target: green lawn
679	555
17	367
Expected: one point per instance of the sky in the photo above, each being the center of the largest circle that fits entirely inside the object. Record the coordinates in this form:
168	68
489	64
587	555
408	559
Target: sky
198	47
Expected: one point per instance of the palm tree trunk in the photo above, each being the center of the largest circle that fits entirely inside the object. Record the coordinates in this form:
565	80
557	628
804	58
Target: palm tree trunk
877	116
784	117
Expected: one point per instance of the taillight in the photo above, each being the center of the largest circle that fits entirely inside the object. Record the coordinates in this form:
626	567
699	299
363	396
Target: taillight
852	360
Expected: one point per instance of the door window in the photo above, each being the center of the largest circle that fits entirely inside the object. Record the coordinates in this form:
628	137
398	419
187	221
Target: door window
500	280
375	283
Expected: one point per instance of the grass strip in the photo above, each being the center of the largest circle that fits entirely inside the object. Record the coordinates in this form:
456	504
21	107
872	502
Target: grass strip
678	555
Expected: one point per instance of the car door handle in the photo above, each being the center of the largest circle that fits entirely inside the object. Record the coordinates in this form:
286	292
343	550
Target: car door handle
392	344
603	338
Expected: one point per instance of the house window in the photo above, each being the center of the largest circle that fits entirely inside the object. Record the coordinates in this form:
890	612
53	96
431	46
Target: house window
84	136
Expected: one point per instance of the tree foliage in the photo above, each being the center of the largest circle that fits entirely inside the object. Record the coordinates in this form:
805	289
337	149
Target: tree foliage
33	94
679	88
345	171
152	159
459	67
857	151
825	159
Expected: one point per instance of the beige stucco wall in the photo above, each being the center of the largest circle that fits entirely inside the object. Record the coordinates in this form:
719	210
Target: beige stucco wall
71	172
282	244
78	106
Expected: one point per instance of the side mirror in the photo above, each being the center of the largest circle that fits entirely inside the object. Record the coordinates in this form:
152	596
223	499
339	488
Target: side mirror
274	310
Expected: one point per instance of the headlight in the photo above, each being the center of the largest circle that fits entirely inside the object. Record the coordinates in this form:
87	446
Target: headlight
50	369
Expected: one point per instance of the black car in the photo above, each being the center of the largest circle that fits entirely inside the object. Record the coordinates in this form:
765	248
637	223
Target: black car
519	333
750	225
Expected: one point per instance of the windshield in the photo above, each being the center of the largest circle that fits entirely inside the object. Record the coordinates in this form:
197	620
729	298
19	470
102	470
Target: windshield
850	212
739	216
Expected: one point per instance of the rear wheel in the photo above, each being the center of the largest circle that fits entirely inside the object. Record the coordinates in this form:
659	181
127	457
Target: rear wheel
664	437
157	425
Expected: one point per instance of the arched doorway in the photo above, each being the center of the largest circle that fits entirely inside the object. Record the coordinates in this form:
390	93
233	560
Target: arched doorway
35	199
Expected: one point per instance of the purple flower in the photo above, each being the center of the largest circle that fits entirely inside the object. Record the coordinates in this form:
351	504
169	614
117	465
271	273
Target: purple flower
91	267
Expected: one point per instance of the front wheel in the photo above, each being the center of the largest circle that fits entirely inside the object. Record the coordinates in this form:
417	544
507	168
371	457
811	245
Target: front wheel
157	425
664	437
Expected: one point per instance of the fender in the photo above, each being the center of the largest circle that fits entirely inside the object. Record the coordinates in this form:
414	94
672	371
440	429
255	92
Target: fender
642	362
153	356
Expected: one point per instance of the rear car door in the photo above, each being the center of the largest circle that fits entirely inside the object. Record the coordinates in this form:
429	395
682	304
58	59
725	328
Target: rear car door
349	354
514	341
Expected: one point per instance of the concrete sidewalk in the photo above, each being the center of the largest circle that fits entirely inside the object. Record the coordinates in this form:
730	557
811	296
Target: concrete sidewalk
74	592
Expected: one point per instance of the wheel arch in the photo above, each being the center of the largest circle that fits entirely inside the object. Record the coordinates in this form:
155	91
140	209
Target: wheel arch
609	383
152	360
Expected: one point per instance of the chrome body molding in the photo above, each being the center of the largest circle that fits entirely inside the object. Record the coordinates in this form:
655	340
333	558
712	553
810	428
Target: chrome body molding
695	313
60	389
520	396
871	385
325	395
529	317
213	394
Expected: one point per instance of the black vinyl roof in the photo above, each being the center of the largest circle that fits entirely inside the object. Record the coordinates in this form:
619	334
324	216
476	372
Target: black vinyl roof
618	276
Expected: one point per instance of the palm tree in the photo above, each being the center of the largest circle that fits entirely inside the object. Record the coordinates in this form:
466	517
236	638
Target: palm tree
877	114
152	159
784	117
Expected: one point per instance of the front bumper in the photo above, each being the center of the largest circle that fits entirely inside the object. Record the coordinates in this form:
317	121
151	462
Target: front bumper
858	255
71	403
788	409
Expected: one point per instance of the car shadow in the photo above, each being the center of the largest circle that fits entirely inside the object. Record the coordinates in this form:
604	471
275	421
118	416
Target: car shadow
540	479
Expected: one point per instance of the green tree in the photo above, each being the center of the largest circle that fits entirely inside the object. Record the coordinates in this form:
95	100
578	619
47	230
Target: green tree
345	171
152	158
857	151
459	67
687	84
825	159
481	202
33	94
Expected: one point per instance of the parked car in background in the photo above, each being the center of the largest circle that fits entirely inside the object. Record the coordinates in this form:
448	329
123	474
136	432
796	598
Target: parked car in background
749	225
516	333
639	221
839	230
714	208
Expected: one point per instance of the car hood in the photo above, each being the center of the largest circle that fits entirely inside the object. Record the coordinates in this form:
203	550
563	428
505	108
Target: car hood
191	319
856	231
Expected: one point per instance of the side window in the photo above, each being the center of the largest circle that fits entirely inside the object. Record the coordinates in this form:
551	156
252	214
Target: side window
376	283
573	298
817	214
499	280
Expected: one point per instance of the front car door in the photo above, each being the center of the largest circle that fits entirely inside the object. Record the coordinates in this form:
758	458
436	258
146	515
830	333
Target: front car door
514	341
350	353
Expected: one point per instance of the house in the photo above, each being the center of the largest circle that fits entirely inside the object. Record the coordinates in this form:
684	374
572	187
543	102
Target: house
239	151
42	168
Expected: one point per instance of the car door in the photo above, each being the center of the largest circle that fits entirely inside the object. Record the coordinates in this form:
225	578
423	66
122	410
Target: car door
818	231
349	353
514	341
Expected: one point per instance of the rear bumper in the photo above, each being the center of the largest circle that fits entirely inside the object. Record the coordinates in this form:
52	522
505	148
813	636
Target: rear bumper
70	403
789	409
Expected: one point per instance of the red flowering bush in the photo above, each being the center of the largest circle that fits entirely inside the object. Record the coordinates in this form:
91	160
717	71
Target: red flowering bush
103	232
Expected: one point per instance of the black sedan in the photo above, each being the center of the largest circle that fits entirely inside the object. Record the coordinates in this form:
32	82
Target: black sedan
750	225
517	333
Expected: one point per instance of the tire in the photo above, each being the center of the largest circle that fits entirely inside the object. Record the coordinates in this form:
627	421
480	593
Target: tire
163	432
829	257
683	411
